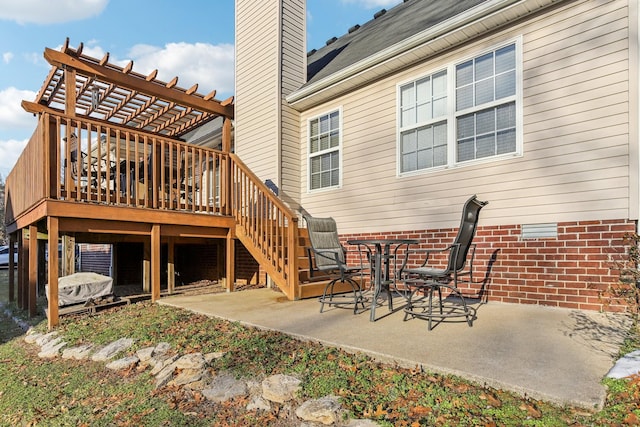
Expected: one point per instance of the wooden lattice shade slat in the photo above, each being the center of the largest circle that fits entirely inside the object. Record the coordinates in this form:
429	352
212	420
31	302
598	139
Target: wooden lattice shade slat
120	95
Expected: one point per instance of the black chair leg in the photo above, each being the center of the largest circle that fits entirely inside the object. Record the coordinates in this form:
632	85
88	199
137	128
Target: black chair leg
328	296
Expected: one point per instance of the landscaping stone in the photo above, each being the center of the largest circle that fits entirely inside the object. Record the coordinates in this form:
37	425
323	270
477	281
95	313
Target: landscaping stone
43	339
166	374
280	388
161	363
191	361
192	373
188	376
210	357
32	336
52	348
224	387
145	354
111	350
259	403
124	363
80	352
361	423
325	410
204	381
161	348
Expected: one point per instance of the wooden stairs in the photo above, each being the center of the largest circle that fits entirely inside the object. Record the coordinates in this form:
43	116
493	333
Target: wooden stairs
311	282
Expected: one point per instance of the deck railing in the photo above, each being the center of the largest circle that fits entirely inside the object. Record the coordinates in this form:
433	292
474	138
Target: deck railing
28	181
266	226
89	161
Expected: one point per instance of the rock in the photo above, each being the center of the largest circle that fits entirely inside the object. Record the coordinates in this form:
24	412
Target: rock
361	423
280	388
258	403
112	349
191	361
80	352
124	363
161	349
32	336
224	387
202	383
166	373
159	364
325	410
52	348
43	339
210	357
145	354
188	376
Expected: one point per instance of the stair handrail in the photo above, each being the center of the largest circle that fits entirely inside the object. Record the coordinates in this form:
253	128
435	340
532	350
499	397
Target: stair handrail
266	225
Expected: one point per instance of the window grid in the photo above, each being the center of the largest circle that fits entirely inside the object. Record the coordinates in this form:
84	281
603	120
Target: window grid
324	151
423	133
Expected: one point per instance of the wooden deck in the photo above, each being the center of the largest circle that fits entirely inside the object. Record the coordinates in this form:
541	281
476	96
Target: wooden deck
106	164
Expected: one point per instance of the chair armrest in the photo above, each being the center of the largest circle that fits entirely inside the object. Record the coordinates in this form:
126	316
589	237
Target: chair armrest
426	253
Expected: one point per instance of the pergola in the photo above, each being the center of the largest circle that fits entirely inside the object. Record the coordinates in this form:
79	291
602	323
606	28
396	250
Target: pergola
84	86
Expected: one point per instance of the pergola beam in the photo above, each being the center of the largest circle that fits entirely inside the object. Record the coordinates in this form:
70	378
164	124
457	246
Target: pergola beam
172	94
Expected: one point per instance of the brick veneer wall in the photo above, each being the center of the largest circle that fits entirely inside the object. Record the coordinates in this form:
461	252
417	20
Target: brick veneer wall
574	270
248	270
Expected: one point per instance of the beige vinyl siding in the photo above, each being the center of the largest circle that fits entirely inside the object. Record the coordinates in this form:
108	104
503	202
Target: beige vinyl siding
256	93
575	163
293	75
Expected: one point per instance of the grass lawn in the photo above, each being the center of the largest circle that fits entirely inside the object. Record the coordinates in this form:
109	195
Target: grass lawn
61	392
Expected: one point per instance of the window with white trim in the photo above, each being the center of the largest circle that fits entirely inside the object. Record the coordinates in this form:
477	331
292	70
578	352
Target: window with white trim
481	123
324	151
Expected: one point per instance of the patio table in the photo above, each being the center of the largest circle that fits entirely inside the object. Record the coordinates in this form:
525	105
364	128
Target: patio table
380	251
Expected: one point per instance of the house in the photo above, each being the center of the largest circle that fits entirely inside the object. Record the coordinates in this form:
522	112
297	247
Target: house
390	127
530	104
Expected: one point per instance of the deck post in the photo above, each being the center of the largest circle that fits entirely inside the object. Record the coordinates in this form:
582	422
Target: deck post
68	255
33	270
12	268
225	173
155	262
146	266
230	262
171	268
293	274
22	268
52	272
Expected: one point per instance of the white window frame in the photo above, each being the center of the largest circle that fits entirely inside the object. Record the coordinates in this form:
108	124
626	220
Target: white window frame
334	149
452	114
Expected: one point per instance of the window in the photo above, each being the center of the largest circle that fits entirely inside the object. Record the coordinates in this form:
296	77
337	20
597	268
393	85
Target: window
481	123
423	140
324	151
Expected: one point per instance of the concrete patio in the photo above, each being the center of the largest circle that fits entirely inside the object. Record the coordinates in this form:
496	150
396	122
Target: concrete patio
553	354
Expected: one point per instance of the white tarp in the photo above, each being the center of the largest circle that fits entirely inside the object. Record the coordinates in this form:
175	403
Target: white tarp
626	366
80	287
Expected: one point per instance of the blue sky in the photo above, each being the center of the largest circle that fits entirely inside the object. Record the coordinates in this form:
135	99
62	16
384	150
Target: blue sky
191	39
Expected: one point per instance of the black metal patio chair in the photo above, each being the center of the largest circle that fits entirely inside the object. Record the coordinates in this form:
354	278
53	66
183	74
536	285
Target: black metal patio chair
330	257
431	276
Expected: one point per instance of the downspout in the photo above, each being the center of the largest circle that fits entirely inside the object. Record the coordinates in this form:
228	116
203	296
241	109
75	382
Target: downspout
279	93
634	111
